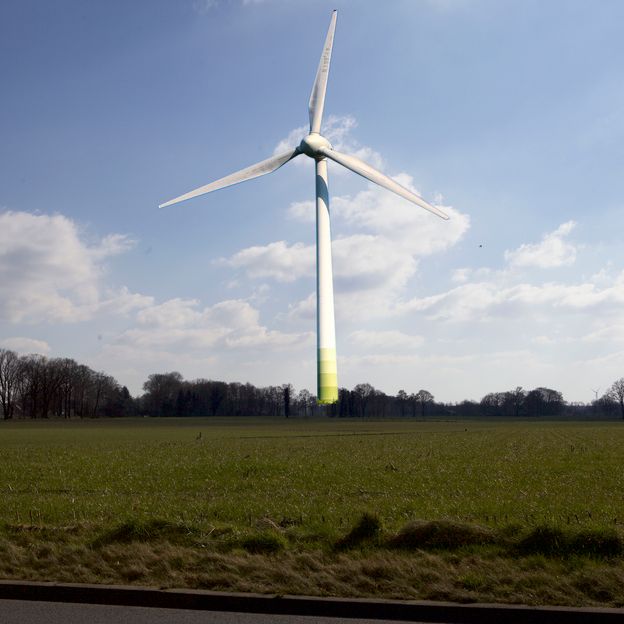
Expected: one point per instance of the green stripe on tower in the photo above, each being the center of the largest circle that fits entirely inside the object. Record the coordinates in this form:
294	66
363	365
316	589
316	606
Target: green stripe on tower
327	377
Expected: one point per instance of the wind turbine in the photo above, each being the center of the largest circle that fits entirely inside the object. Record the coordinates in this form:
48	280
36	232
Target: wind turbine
319	148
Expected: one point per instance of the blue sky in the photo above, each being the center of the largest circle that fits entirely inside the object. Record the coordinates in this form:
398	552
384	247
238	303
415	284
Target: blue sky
507	113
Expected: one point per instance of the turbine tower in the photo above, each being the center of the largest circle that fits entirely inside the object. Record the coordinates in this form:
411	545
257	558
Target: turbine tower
319	148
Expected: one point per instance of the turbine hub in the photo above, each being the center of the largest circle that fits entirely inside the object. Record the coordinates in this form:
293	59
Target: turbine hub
311	145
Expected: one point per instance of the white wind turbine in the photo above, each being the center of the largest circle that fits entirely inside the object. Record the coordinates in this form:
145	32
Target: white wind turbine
318	147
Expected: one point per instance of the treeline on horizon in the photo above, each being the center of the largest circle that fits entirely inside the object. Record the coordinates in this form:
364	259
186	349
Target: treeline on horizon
37	387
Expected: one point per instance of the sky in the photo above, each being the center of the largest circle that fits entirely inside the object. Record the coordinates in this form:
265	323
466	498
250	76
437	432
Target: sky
509	115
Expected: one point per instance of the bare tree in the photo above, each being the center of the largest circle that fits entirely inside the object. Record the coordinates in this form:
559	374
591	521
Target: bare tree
161	392
402	399
32	384
424	398
217	394
514	401
364	392
9	381
305	401
544	402
287	390
492	403
616	393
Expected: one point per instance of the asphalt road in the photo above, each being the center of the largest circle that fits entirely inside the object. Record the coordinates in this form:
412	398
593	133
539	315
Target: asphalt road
35	612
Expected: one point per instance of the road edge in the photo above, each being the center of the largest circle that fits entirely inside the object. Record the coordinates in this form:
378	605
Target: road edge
399	610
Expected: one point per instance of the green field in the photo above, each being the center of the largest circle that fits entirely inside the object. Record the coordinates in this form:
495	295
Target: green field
300	486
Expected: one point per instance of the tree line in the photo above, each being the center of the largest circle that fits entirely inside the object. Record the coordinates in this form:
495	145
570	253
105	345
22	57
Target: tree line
33	386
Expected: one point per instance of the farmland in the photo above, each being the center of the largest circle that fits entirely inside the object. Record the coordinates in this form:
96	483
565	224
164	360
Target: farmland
244	504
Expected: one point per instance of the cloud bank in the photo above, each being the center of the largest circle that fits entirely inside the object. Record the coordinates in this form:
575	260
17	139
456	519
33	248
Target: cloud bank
48	273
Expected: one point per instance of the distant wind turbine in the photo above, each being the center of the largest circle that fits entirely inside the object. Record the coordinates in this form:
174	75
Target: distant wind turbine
319	148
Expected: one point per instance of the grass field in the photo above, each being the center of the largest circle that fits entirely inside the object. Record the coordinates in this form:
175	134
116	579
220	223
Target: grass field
268	506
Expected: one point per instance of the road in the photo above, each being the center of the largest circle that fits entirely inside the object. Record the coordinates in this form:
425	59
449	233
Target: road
36	612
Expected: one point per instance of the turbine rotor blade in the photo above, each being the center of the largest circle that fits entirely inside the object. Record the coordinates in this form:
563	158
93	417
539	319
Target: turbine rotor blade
317	97
266	166
366	171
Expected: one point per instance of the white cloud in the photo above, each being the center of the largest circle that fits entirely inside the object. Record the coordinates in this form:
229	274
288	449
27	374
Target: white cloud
361	262
378	239
122	302
482	301
373	264
279	261
379	211
26	345
112	245
552	251
291	140
48	272
611	333
366	262
305	309
385	340
461	275
202	7
171	314
181	324
304	211
543	340
416	230
368	270
337	130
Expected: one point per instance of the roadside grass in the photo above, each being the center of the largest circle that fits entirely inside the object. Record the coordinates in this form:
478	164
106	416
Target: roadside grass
472	511
372	565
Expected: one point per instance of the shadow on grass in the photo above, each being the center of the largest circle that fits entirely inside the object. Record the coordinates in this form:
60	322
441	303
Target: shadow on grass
264	543
367	531
513	541
157	530
148	531
555	542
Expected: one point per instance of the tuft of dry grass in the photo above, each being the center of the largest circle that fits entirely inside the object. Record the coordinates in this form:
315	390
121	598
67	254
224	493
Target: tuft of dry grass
441	534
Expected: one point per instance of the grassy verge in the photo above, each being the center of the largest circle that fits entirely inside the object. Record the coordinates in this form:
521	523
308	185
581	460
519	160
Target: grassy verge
423	560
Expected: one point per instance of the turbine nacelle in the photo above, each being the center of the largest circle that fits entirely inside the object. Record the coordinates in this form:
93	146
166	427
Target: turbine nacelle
313	145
